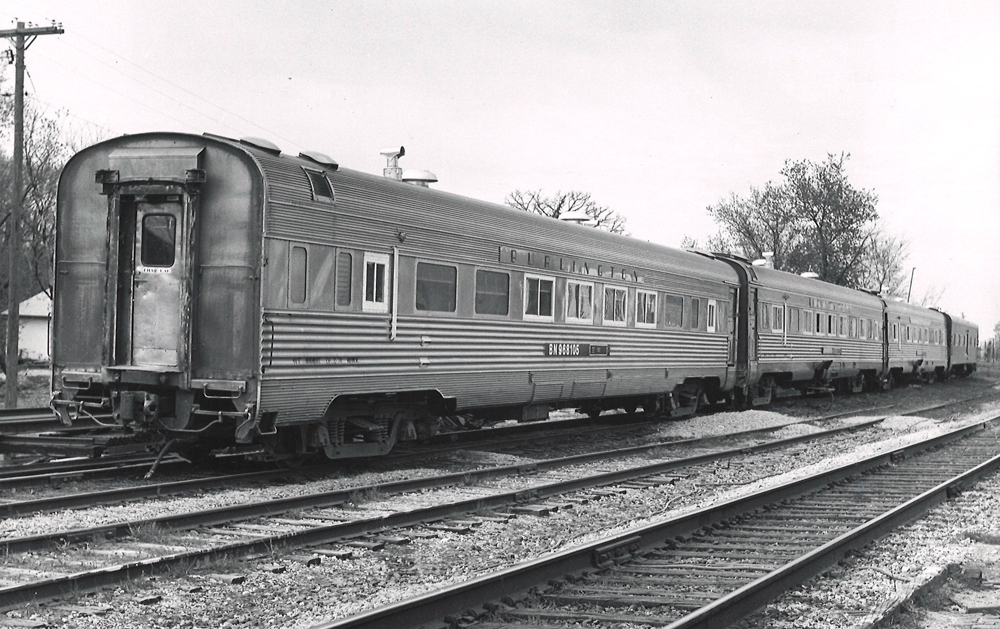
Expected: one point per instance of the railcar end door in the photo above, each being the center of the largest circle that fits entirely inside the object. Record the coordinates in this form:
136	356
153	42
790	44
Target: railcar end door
157	284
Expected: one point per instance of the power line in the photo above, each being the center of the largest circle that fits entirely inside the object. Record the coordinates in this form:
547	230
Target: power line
111	89
157	90
187	91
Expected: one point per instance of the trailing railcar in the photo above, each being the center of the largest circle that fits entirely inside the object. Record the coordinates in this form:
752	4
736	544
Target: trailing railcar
963	345
917	343
288	306
804	333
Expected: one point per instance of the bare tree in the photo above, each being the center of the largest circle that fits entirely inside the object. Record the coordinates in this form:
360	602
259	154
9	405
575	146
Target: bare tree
45	152
562	202
882	269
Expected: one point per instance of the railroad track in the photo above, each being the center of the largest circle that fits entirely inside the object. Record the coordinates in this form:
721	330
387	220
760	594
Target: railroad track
714	566
318	519
17	420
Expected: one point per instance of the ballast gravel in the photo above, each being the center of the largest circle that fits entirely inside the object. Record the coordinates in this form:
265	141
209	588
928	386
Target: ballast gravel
303	596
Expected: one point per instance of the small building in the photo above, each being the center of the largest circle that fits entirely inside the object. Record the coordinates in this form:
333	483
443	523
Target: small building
35	313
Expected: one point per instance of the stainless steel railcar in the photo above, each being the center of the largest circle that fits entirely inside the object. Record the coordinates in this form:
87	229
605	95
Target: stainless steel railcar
917	342
223	293
963	345
803	333
218	291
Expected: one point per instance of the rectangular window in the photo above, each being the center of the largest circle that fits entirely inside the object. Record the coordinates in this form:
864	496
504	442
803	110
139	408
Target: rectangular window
895	331
794	321
645	309
437	287
842	326
344	272
159	237
538	297
819	322
852	327
297	274
778	318
695	314
831	325
492	292
673	311
710	319
807	322
615	300
579	302
376	275
765	318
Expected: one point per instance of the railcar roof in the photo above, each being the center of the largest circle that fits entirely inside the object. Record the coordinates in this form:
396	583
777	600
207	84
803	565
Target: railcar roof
784	281
438	209
903	308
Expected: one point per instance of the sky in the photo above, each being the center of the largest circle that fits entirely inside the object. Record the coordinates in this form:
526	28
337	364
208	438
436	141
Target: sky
658	109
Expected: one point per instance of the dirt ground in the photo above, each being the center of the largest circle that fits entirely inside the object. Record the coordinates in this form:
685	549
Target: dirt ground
33	390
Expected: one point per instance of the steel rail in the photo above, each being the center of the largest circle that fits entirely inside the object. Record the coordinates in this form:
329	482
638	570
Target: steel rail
17	594
78	500
516	581
57	471
739	603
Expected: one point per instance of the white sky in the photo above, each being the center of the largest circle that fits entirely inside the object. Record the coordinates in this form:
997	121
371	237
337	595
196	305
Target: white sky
658	109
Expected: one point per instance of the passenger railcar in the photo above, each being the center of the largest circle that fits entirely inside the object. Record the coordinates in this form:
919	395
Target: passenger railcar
266	300
917	342
219	292
804	333
963	345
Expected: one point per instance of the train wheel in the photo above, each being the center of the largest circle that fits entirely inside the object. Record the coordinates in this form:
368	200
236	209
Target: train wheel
592	412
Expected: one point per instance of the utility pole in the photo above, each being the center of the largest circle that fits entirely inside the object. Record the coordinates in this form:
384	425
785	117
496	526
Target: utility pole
17	191
910	290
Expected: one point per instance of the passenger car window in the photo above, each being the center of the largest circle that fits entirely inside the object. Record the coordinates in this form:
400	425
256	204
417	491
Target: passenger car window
778	318
376	274
159	238
695	314
579	302
492	292
344	267
297	275
538	297
645	309
437	287
615	305
673	311
710	319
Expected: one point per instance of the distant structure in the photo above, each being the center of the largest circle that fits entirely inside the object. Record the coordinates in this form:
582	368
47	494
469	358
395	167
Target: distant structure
33	328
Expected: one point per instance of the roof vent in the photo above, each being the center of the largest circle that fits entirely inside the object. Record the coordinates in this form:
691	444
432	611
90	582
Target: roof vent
320	158
261	143
578	217
767	261
810	275
392	169
419	177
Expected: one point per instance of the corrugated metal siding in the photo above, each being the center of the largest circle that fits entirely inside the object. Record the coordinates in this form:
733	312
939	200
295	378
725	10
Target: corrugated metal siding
309	358
810	350
373	210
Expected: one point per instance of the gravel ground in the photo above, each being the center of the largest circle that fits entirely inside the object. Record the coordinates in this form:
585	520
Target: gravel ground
303	596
